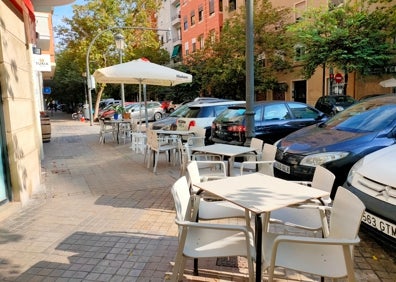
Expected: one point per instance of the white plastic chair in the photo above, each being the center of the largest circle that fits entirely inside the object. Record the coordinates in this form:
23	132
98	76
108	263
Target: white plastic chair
104	130
156	146
331	256
265	164
210	207
307	216
205	240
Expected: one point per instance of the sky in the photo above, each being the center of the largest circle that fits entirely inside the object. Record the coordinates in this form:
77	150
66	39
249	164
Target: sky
64	11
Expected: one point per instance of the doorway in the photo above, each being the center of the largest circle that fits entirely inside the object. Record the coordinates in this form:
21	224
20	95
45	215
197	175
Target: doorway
4	191
300	91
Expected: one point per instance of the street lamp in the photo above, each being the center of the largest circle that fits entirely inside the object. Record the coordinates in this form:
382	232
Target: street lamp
120	44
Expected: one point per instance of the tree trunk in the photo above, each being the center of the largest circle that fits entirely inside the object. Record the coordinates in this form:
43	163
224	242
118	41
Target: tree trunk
98	98
345	82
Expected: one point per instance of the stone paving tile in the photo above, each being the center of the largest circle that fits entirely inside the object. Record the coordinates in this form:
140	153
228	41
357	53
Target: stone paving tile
103	216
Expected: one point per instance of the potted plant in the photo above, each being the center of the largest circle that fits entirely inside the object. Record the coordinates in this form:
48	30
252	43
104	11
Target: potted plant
119	111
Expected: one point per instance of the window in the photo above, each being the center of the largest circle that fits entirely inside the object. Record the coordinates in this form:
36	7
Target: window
201	41
212	36
211	7
232	5
258	113
200	13
299	51
192	18
303	112
299	10
194	45
261	59
185	23
186	48
276	112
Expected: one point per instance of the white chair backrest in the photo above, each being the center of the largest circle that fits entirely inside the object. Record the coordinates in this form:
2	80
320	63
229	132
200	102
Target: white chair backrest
257	144
269	152
181	197
200	132
323	179
268	155
196	141
346	215
193	175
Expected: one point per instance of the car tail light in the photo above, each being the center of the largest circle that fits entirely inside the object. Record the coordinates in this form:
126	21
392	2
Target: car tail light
191	124
236	128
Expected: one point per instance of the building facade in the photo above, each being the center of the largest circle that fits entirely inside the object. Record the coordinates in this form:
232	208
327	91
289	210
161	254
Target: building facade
198	20
26	59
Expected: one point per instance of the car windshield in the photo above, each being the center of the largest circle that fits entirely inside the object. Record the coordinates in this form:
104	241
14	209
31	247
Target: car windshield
364	117
232	115
180	112
343	99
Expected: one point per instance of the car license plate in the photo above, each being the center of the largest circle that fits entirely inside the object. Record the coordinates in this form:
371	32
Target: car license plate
380	224
282	167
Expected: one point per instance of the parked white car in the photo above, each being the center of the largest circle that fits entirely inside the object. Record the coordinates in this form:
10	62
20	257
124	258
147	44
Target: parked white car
373	180
202	115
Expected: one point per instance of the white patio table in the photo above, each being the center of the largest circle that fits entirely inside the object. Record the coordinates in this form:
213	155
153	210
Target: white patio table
260	194
117	123
226	150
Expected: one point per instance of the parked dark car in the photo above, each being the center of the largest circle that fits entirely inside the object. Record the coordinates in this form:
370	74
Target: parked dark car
373	180
272	121
334	104
339	142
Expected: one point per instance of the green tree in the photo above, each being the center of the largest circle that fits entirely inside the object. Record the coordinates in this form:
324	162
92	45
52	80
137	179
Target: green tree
221	63
353	37
96	16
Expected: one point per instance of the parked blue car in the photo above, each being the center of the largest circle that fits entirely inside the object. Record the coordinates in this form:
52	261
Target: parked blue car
339	142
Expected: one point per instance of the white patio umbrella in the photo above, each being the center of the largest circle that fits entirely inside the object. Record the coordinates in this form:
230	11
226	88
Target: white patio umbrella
142	72
388	83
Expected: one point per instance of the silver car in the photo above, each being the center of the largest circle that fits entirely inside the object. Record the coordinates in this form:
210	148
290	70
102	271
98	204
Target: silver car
154	111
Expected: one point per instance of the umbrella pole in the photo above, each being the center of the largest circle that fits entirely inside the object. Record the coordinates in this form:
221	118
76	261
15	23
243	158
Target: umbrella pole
140	106
145	105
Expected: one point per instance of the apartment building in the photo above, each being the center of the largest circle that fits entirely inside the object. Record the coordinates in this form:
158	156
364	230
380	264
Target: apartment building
195	21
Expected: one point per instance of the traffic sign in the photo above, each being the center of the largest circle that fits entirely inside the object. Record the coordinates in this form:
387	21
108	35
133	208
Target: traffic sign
338	77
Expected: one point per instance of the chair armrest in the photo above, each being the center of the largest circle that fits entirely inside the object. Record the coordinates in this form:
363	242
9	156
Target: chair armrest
231	227
315	240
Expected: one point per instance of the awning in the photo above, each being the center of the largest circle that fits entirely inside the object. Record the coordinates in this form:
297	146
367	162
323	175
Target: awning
176	51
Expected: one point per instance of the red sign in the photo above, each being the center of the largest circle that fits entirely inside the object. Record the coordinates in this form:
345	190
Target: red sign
338	77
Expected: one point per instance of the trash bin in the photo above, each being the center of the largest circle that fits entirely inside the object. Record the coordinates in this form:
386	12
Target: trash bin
86	111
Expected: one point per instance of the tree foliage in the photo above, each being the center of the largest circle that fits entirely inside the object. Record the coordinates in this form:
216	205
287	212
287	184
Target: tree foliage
353	37
97	17
220	67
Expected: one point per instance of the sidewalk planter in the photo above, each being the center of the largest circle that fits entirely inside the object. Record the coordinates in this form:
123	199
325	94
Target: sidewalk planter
45	127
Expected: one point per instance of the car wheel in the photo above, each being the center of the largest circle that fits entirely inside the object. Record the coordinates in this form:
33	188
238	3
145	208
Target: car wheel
157	116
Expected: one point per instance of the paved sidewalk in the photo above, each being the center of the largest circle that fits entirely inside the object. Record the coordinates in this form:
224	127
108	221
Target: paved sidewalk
103	216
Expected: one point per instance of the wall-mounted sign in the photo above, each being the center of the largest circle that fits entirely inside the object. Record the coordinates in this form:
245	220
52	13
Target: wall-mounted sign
42	62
